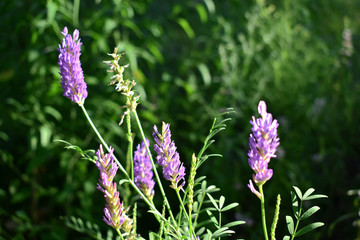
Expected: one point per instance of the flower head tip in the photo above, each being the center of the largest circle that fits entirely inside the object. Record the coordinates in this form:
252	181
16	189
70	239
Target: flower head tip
72	78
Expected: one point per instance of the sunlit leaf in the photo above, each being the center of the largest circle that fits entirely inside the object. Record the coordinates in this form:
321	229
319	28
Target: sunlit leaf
308	193
212	218
186	27
316	196
235	223
298	192
309	228
230	206
205	73
213	201
290	224
202	12
309	212
221	202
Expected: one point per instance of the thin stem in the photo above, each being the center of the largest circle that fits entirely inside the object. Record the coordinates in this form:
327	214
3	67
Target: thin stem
298	221
130	139
154	168
200	205
119	233
262	200
122	169
219	221
186	215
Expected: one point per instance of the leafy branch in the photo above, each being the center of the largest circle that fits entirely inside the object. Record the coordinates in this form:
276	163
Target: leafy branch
297	204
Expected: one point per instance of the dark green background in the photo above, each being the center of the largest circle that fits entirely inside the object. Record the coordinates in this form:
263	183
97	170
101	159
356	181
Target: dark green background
191	60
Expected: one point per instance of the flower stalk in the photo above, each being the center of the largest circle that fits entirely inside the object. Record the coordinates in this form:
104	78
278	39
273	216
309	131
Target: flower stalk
263	143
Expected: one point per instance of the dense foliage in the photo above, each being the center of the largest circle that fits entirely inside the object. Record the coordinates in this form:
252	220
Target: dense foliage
191	60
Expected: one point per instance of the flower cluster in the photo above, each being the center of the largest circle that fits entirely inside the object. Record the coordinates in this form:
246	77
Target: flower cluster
143	170
168	158
72	78
114	214
263	143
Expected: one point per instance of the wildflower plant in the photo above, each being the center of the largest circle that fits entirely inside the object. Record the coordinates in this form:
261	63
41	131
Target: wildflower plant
196	198
263	143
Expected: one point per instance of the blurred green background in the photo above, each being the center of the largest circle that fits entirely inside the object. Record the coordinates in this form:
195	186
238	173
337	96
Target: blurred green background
191	59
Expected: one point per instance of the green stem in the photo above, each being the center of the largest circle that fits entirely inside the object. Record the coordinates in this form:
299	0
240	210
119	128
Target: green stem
262	200
122	169
130	139
199	207
219	222
186	215
119	233
298	221
154	168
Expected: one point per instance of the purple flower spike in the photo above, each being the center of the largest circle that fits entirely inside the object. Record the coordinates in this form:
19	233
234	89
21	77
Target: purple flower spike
114	216
263	143
72	78
168	158
142	170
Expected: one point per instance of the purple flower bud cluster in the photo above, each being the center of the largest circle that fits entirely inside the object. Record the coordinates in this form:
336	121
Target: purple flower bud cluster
72	78
168	158
113	214
143	170
263	143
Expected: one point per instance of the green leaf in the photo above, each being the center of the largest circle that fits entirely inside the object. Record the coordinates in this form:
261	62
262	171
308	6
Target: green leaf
51	11
230	206
316	196
286	238
53	112
210	5
309	212
199	179
186	27
221	202
195	206
205	73
156	213
298	192
213	201
290	224
203	186
212	189
235	223
200	231
224	231
308	193
209	233
202	12
45	135
154	49
122	181
212	218
309	228
295	204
